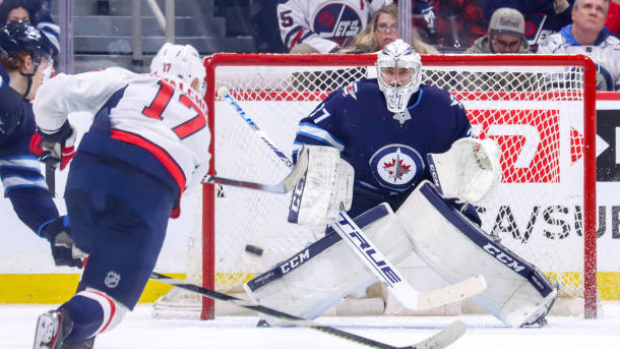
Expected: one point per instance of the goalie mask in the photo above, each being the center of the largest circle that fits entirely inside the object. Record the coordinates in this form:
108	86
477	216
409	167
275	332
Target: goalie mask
180	62
398	73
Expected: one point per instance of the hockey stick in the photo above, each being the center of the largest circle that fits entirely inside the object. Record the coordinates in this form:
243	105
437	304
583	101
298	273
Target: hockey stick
365	249
411	298
440	340
286	185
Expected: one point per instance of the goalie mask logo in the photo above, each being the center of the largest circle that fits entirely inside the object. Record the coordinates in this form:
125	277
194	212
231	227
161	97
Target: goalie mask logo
397	166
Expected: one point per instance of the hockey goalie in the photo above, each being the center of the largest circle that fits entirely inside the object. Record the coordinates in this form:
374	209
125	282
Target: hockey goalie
398	135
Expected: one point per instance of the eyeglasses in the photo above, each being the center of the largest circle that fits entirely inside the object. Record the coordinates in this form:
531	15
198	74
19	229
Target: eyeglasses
501	44
384	27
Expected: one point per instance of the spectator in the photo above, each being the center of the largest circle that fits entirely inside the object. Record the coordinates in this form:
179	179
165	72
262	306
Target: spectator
588	36
451	25
323	26
382	30
613	17
14	14
266	32
35	12
542	17
505	34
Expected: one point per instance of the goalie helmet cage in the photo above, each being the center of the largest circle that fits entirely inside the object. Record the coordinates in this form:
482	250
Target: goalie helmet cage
539	108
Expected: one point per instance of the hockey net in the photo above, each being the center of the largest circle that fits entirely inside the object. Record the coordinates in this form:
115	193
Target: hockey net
540	110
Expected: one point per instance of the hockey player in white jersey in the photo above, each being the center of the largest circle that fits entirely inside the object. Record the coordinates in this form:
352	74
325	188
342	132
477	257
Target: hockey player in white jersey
323	26
587	35
147	146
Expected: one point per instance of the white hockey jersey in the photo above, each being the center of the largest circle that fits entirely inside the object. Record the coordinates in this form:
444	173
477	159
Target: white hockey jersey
605	53
324	24
163	116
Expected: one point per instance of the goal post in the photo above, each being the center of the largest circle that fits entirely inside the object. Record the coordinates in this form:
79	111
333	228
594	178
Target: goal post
539	108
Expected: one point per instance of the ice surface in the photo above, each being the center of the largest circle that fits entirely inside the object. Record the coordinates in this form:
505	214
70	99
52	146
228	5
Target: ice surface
141	330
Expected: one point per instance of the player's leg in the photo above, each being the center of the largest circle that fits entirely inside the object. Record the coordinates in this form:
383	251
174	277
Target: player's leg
119	216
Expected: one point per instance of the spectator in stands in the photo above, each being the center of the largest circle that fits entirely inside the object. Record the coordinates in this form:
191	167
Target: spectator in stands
613	17
14	14
323	26
587	35
35	12
505	34
382	30
266	32
451	25
542	17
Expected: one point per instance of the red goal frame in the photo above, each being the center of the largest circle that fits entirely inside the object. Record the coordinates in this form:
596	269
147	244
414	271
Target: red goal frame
589	151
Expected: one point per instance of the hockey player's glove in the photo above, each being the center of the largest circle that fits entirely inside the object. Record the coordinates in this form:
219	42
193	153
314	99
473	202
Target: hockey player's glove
54	148
64	251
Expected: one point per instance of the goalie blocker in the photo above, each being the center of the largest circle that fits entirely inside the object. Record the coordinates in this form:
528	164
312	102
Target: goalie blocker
316	278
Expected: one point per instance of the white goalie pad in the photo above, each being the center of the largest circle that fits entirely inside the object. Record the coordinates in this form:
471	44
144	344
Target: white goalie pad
324	190
316	278
517	293
469	171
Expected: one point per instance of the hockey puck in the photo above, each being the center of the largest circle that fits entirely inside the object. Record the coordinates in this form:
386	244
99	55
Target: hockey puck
254	250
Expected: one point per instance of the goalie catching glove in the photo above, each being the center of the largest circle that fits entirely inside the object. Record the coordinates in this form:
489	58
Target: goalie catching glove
54	148
469	171
326	188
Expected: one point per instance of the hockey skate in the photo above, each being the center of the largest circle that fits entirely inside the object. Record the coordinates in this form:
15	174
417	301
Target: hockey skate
53	327
51	330
539	318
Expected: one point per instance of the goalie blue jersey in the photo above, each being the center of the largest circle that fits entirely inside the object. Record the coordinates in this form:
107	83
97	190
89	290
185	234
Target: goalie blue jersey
388	151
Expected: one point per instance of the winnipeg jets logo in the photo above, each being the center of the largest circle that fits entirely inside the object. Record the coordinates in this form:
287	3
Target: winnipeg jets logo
397	166
336	21
456	102
350	90
33	33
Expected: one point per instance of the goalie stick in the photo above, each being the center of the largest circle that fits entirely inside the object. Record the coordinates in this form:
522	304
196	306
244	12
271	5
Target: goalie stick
411	298
440	340
365	249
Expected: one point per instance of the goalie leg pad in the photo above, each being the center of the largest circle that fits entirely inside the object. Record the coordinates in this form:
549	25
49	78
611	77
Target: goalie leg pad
456	249
316	278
